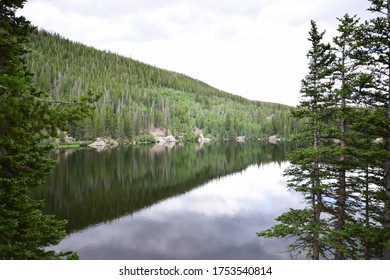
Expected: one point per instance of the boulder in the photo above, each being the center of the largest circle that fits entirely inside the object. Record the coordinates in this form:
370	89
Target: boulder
378	141
112	143
159	139
97	143
202	139
103	143
273	139
169	138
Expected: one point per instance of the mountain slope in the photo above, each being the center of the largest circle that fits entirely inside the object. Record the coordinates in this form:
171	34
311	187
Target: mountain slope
137	97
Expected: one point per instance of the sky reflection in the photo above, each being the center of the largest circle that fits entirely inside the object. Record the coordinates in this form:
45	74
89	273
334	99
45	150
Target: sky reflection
218	220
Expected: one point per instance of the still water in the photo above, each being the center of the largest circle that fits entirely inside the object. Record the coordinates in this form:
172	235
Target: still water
184	202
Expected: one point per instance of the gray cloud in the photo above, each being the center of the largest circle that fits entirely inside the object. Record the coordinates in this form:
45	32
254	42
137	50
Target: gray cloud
147	20
157	19
178	237
257	35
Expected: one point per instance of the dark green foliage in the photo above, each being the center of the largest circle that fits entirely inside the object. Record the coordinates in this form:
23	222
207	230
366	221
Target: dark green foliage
297	224
146	139
374	56
307	167
25	230
138	176
138	97
28	118
342	176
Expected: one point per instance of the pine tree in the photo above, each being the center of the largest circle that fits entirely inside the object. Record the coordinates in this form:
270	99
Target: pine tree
28	118
306	169
349	168
374	55
339	121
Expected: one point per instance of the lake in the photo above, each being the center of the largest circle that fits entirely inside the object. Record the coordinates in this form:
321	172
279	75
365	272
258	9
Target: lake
189	201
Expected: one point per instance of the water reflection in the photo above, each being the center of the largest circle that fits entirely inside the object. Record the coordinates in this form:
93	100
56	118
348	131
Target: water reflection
144	203
217	221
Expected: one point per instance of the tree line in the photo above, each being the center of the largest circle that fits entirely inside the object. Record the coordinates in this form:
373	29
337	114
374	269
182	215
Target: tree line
138	177
344	174
49	84
137	97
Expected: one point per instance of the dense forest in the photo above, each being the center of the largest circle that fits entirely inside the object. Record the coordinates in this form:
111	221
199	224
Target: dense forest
136	97
50	84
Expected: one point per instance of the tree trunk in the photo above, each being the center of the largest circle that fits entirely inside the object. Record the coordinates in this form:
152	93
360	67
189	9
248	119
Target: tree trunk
339	255
317	198
386	218
367	216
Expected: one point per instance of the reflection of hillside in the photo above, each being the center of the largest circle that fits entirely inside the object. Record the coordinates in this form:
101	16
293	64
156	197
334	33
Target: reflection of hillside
89	187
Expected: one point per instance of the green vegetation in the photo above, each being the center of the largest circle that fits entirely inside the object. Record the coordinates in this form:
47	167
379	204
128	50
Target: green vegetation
344	117
28	118
344	173
118	182
146	139
48	85
138	97
73	145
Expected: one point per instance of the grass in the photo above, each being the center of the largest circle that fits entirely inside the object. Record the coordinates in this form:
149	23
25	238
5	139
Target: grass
74	145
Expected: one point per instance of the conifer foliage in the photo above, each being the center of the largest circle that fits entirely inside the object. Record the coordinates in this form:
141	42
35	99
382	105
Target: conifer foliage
28	117
343	175
138	97
375	56
307	163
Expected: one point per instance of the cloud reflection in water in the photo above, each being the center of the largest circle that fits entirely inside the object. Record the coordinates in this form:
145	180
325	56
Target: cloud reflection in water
218	220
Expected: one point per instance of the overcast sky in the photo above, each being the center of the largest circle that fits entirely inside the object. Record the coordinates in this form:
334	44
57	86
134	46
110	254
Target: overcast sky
253	48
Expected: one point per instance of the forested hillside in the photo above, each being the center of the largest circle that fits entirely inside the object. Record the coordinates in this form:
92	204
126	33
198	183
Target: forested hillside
136	97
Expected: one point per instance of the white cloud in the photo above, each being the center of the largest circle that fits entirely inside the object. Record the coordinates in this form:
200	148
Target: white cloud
190	225
238	194
254	48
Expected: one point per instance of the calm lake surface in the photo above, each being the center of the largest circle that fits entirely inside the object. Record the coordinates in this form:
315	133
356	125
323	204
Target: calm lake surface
189	201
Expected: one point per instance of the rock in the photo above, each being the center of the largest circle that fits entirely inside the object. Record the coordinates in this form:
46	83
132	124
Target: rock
198	131
165	140
240	138
163	144
170	141
159	139
97	143
112	143
103	143
157	132
202	139
273	139
336	141
169	138
69	139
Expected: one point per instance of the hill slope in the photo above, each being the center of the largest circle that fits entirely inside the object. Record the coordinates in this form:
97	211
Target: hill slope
137	97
